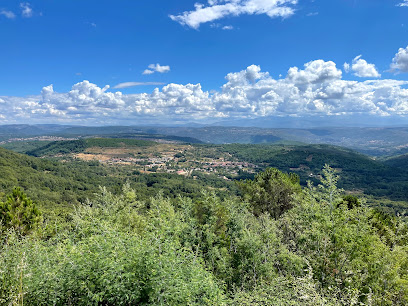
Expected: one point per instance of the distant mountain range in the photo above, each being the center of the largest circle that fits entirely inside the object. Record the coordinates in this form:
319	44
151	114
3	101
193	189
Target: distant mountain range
379	142
310	122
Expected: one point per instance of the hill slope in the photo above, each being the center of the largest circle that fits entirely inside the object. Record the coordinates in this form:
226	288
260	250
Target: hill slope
77	146
53	182
400	161
357	171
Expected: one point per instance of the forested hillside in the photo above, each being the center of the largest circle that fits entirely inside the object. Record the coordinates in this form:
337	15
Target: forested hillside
76	146
359	172
53	182
277	244
400	162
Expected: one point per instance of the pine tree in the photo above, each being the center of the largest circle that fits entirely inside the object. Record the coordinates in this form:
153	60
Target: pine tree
19	212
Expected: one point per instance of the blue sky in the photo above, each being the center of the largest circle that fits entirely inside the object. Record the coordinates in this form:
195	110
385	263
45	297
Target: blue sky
178	61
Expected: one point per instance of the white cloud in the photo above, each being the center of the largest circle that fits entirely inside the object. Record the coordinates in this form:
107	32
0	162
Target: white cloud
228	27
148	71
403	3
361	68
156	68
400	61
133	84
218	9
8	14
317	71
26	10
315	90
318	90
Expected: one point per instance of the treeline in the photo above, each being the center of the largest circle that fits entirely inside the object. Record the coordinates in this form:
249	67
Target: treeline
80	145
60	147
118	142
278	244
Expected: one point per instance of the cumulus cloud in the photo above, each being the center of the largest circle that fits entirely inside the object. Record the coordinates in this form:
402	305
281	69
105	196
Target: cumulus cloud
400	61
317	71
26	10
133	84
156	68
361	68
8	14
317	89
218	9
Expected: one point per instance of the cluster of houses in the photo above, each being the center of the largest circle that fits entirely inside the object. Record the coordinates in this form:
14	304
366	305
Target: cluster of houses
174	163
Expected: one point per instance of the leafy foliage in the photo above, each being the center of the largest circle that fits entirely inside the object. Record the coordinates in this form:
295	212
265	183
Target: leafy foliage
271	192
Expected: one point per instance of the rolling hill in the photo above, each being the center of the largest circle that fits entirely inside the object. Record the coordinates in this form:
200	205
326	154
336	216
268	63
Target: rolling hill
400	162
52	182
359	173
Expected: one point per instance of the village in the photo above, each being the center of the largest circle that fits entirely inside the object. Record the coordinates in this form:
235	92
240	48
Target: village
170	158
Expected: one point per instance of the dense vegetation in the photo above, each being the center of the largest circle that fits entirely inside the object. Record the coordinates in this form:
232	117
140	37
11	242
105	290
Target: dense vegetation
400	161
316	248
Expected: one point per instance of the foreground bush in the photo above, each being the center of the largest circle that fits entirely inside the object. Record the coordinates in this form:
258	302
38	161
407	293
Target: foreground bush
117	250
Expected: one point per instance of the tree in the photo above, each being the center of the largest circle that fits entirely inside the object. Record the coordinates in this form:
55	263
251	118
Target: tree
331	194
19	212
350	201
271	191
